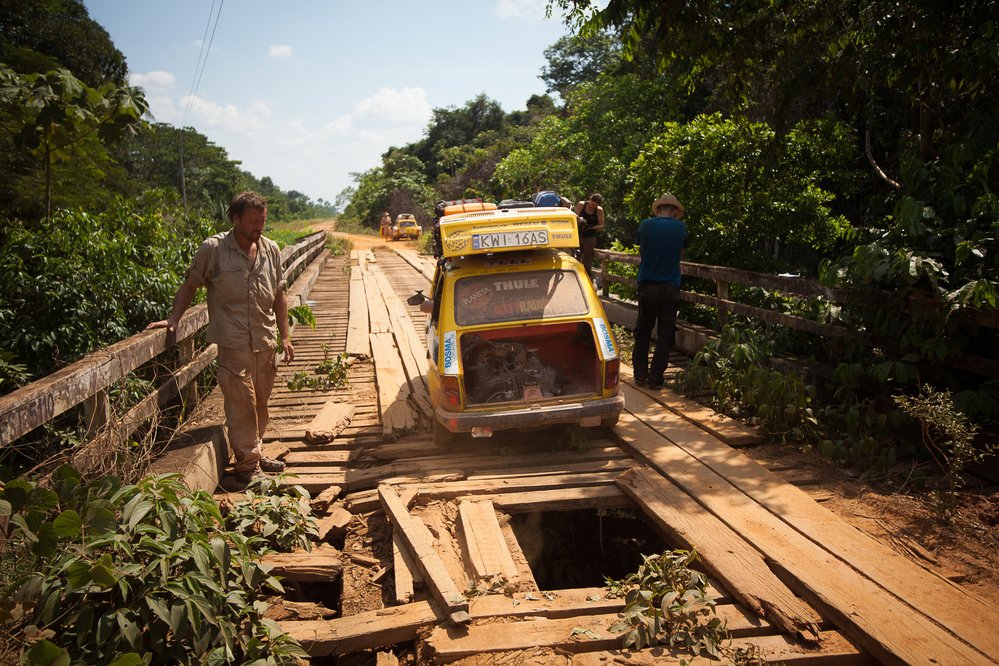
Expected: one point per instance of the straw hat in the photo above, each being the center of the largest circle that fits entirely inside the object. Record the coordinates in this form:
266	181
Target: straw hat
667	200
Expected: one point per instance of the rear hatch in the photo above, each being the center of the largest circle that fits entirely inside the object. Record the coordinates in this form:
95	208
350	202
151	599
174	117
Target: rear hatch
529	336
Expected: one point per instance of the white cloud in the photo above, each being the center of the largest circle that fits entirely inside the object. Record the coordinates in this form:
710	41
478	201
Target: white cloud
206	114
520	9
156	82
279	51
407	106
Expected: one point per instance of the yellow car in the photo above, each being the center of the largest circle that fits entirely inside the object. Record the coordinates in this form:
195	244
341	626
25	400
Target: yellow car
517	335
406	228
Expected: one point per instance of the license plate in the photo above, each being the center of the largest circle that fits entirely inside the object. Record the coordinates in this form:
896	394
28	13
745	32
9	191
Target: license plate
509	239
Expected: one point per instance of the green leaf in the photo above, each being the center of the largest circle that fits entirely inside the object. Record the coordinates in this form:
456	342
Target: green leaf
47	653
67	524
78	576
128	659
47	541
5	508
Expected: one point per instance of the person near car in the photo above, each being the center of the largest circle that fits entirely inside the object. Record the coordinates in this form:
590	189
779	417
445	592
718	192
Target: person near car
661	241
385	226
590	215
247	306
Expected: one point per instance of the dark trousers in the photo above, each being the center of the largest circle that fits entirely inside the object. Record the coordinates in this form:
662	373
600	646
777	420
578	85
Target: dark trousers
658	303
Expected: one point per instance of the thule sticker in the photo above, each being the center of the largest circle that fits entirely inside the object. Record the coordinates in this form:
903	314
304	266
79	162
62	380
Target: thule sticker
605	337
450	353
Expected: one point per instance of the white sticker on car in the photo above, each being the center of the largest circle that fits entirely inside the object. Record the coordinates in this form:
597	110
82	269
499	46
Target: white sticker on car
450	353
605	337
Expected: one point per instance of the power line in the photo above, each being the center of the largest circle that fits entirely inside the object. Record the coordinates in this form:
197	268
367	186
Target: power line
199	71
199	68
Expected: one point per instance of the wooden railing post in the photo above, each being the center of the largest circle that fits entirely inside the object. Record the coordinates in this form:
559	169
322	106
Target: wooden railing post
189	393
721	290
96	412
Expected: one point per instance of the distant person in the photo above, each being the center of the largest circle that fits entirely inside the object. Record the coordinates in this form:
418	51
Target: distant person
385	226
590	215
247	305
661	241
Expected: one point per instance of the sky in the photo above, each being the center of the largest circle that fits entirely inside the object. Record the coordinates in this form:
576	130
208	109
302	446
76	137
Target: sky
309	91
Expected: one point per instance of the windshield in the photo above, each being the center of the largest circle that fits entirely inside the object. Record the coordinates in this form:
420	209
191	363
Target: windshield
486	299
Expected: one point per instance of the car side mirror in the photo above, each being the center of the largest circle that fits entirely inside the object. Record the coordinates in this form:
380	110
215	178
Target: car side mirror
417	298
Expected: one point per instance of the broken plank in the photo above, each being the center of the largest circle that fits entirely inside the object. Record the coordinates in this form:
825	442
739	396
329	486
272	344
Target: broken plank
441	585
487	553
320	504
726	555
329	422
323	564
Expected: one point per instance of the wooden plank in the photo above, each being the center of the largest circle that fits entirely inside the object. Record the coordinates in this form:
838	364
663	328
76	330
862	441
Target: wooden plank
363	631
437	530
726	556
836	650
940	600
524	573
441	585
423	492
393	389
399	624
357	327
320	504
329	422
410	348
323	564
877	620
562	499
725	429
406	572
574	634
487	554
378	316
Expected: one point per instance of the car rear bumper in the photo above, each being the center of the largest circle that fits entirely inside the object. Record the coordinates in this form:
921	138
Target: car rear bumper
534	416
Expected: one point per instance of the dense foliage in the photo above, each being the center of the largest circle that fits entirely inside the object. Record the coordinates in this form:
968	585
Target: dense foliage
143	573
79	281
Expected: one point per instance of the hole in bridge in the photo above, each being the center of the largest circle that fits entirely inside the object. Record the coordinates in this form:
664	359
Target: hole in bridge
573	549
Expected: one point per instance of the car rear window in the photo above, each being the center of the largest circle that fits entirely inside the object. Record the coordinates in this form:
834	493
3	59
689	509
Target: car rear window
486	299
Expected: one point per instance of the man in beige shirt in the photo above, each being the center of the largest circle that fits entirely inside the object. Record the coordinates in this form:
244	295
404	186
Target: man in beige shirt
247	304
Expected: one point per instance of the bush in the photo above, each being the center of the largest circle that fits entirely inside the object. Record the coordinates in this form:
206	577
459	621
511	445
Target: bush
80	282
137	573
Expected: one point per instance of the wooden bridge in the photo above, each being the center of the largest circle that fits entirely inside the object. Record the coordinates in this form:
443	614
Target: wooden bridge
500	549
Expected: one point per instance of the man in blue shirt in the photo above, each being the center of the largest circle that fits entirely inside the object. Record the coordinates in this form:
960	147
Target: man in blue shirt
661	240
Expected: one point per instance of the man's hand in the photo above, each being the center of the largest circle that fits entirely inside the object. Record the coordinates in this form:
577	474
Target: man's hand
289	351
171	327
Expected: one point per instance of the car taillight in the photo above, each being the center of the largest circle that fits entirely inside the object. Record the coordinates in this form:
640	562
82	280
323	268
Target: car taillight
452	395
612	373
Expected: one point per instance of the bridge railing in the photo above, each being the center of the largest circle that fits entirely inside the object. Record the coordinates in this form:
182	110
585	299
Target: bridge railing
87	382
805	288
